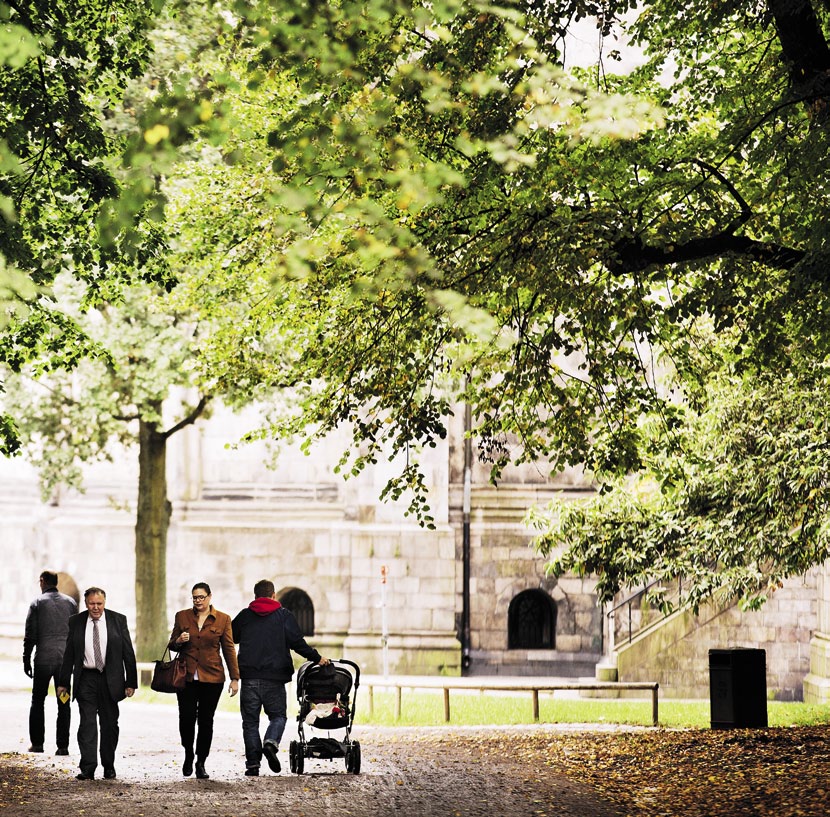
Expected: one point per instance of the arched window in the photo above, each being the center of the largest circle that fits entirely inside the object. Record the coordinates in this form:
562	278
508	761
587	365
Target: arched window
531	621
299	603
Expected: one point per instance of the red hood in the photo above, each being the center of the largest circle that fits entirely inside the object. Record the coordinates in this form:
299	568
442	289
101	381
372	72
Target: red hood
264	606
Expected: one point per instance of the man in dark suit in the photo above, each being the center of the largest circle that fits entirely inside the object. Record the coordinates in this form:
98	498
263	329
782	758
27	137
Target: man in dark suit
99	663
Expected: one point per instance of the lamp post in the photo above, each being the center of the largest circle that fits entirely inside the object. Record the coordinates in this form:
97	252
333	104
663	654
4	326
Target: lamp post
384	633
465	556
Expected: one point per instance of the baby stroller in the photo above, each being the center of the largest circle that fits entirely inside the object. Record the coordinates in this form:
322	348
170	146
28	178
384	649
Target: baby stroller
325	705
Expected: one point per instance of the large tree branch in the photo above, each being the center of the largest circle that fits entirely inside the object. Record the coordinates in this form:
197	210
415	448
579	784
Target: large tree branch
189	419
124	418
632	255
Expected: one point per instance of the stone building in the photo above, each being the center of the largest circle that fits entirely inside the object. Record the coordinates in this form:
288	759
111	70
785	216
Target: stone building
366	581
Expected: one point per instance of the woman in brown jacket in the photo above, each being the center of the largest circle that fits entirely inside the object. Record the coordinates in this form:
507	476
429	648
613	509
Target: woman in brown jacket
200	634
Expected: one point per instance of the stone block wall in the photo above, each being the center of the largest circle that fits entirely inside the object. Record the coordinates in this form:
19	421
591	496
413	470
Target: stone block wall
231	545
817	682
338	564
676	653
504	564
93	549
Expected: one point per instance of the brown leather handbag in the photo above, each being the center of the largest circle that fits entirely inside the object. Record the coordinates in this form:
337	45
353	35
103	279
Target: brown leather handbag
170	675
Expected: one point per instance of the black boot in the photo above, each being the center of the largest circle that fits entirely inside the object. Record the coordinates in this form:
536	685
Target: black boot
187	766
200	770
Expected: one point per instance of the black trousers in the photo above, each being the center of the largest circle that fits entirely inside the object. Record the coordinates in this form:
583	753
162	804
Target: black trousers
37	723
197	705
96	706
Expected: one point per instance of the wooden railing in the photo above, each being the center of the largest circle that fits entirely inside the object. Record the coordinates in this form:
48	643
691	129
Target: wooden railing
486	684
483	684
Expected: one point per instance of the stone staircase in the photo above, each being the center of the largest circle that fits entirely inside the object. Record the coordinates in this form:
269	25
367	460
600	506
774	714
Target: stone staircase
674	649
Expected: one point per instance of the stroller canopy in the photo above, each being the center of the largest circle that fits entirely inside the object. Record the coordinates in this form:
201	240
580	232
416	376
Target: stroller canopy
323	683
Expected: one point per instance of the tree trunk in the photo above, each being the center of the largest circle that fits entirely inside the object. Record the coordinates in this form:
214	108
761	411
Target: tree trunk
803	44
152	523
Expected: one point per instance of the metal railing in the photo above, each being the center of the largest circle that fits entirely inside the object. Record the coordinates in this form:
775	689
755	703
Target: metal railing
640	613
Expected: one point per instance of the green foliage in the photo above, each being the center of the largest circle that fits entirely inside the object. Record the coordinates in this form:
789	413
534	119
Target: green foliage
63	71
734	502
379	210
407	150
129	359
458	217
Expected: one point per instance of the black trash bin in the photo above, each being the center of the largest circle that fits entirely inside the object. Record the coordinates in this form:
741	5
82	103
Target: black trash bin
738	688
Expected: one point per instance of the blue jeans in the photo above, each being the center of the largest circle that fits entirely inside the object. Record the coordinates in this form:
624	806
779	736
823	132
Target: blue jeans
256	695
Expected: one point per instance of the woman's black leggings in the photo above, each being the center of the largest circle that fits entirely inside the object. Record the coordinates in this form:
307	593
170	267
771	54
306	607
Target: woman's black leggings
197	704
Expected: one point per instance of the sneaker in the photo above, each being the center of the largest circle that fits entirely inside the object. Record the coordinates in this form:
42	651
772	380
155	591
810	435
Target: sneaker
270	752
253	771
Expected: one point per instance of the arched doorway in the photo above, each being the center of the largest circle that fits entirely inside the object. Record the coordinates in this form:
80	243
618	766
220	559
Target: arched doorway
531	621
67	585
299	603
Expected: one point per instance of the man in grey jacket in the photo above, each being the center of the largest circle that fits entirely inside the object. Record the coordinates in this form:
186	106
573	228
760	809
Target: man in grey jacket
46	630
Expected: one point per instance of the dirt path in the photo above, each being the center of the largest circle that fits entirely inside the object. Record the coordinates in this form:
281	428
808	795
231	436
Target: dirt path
545	771
410	773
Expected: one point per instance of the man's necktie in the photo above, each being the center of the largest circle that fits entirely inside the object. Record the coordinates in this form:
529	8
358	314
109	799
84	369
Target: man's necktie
96	647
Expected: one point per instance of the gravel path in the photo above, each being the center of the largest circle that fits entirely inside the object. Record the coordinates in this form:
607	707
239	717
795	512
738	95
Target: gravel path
406	772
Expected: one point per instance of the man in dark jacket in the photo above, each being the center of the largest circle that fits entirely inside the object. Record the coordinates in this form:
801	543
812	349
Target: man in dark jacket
47	624
99	665
266	633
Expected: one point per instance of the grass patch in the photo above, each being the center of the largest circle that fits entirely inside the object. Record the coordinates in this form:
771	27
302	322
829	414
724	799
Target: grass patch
423	708
476	709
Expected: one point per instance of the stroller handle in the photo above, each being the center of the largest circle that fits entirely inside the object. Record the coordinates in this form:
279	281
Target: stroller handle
351	664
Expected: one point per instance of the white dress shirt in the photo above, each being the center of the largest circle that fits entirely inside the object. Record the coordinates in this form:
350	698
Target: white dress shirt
89	655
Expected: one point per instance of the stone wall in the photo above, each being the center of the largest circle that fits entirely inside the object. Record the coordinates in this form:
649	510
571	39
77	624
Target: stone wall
817	682
503	564
337	563
676	653
92	548
235	521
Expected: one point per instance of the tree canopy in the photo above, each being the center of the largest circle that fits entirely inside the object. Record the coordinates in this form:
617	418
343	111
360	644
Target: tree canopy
64	69
576	254
403	206
98	326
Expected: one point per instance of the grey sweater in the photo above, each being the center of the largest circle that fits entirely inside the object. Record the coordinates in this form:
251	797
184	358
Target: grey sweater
47	627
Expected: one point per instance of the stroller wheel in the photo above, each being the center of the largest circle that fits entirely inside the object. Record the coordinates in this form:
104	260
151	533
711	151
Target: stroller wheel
296	756
353	758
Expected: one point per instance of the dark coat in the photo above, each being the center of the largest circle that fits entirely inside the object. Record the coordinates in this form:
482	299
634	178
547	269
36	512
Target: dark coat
265	643
119	662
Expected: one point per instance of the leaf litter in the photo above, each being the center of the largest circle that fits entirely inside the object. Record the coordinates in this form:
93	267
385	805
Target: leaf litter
545	772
